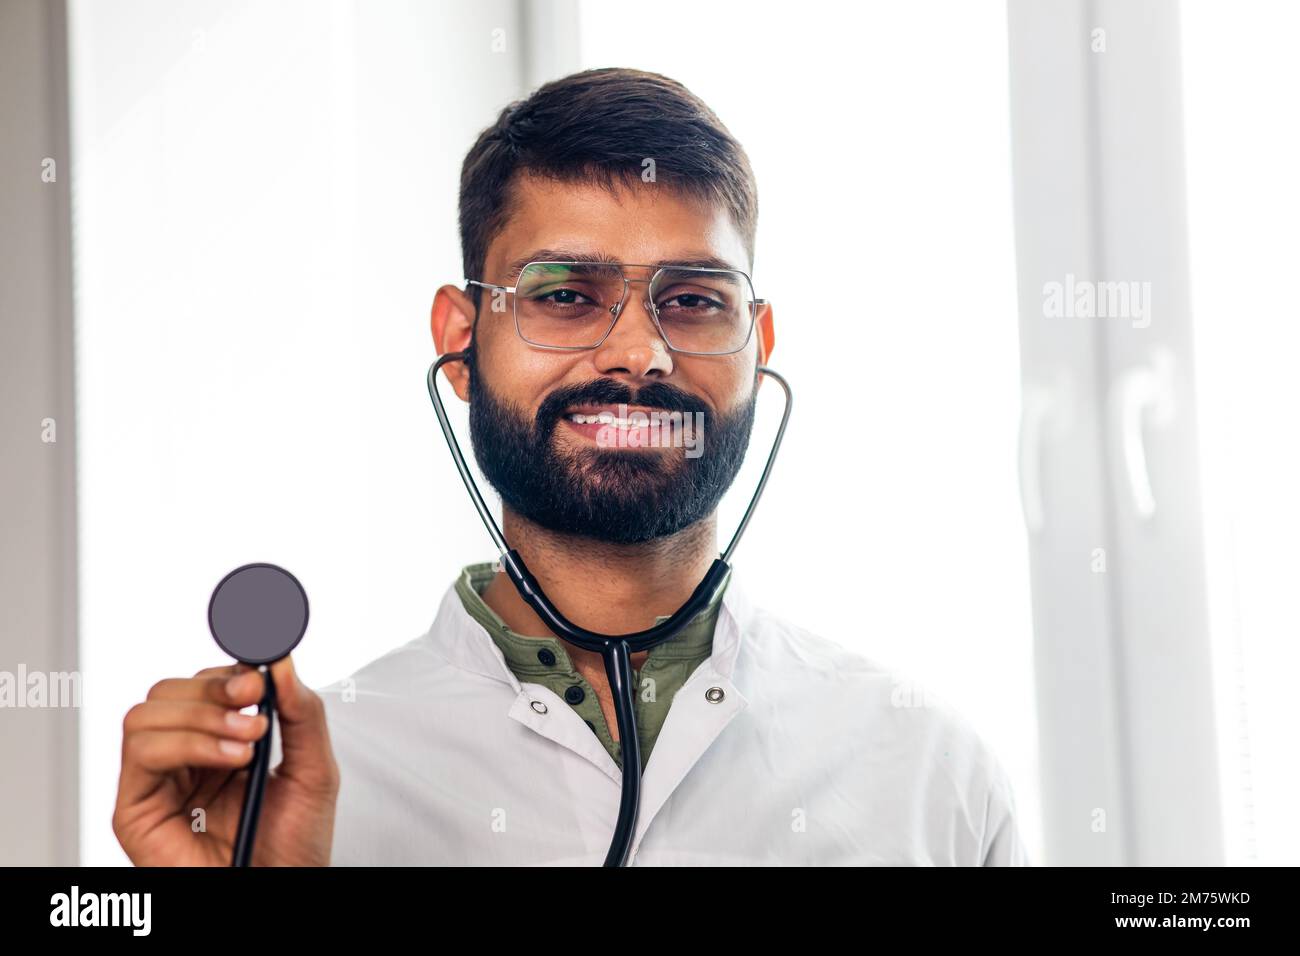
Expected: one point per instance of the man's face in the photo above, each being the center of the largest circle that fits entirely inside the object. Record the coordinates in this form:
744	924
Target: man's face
604	480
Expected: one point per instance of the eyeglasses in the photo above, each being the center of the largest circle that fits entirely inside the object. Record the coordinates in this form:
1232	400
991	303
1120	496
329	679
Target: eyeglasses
571	306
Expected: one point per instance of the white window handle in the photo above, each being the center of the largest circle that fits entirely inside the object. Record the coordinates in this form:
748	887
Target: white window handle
1045	410
1142	395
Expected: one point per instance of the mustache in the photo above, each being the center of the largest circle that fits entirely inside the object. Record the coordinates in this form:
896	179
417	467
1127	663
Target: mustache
670	398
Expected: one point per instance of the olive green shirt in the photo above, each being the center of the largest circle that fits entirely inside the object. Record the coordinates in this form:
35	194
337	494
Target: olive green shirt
545	661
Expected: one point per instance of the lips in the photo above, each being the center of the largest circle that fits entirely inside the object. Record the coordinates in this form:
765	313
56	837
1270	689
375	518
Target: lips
620	416
627	426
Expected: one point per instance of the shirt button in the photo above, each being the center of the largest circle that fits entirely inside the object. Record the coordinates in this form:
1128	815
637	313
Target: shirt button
574	694
546	656
714	695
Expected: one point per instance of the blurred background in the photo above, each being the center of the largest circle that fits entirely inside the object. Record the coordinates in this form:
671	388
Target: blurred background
1042	460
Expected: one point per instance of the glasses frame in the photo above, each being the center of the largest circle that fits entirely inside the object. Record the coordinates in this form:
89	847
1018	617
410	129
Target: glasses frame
617	309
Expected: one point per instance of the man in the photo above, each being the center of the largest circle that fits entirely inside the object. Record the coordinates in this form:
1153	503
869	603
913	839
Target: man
607	225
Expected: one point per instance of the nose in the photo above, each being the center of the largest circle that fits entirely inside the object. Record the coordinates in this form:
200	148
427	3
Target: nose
634	347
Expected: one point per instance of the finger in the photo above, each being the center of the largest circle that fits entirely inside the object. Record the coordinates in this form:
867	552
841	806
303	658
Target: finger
305	742
238	690
149	754
158	751
225	670
194	715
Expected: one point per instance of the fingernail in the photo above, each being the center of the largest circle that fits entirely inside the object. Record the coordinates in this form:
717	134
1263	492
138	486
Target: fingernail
236	685
239	721
236	748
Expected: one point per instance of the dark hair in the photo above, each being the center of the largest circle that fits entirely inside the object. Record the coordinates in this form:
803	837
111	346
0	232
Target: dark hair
600	126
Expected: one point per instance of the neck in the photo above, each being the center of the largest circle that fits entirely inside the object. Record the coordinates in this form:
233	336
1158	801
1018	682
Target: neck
603	587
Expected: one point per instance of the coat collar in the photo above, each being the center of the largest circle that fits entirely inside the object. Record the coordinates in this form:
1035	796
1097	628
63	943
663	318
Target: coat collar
462	641
700	711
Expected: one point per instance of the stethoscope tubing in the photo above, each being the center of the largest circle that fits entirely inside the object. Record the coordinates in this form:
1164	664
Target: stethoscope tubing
615	649
256	788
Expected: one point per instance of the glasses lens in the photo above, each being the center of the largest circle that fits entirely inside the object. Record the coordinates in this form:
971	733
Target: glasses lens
567	305
702	310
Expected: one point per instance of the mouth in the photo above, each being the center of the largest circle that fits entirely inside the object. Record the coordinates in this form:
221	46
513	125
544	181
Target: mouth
627	426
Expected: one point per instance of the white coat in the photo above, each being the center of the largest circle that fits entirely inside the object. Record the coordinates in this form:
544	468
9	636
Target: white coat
811	756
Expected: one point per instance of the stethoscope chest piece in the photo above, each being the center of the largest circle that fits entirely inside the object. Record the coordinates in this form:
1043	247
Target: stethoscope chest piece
257	614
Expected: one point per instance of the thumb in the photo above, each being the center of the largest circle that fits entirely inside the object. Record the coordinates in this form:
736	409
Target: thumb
308	757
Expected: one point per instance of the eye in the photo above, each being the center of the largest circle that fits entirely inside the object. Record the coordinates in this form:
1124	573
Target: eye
562	298
694	302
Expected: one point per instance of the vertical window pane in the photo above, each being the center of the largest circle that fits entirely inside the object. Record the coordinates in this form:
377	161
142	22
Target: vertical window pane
1243	153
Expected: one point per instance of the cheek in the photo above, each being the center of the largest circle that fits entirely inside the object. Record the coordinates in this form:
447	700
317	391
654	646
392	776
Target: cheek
521	375
725	382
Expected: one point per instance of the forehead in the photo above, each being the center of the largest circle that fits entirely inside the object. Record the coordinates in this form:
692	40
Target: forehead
641	223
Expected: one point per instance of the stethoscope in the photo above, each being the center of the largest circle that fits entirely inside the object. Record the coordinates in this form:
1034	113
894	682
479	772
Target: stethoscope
257	614
615	650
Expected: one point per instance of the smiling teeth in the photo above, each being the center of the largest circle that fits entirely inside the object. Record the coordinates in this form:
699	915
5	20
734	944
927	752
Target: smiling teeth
607	418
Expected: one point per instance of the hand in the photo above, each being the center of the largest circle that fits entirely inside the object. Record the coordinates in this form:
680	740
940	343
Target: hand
185	748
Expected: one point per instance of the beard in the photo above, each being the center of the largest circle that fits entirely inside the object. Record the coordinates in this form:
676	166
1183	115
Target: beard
615	496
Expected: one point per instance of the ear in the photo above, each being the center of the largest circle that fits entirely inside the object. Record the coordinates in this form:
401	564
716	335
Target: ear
766	333
452	323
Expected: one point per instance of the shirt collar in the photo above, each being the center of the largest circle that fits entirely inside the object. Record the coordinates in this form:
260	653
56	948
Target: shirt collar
463	638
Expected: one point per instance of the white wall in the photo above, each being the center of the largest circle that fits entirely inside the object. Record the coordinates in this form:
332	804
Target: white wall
266	201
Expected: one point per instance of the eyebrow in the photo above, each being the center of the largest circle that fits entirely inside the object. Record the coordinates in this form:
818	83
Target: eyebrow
516	266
